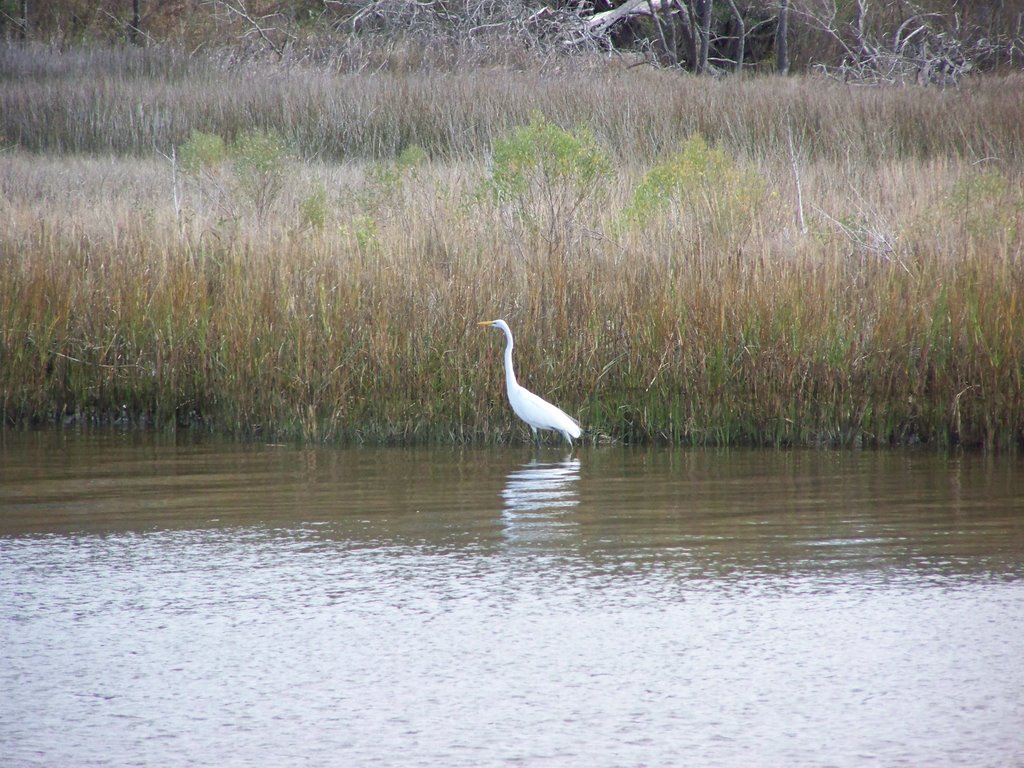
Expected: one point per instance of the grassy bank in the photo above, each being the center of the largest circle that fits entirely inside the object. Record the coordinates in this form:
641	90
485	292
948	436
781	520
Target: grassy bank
681	293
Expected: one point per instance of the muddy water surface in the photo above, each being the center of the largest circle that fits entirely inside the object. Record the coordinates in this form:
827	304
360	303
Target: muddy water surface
173	603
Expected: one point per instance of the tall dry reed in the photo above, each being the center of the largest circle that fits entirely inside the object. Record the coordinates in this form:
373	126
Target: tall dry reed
880	306
365	328
135	102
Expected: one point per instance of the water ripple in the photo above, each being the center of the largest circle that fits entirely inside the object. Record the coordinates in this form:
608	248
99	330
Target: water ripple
402	609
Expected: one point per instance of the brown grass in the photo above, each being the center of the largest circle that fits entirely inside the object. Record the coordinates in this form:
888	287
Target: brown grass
894	318
135	102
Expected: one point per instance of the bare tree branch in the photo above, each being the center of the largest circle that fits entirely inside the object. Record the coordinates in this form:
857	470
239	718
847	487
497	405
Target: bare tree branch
237	8
918	51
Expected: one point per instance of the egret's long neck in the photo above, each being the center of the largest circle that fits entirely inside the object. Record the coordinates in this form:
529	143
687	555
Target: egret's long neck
510	374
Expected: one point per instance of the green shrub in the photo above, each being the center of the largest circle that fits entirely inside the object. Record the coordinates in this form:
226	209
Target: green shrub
202	151
363	230
699	186
313	208
259	161
987	204
411	158
252	167
384	181
544	174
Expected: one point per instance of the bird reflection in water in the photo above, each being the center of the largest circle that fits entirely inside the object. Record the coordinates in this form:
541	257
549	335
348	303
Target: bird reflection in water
538	497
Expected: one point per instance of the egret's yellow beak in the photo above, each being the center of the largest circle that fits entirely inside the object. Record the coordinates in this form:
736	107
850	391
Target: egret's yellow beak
486	322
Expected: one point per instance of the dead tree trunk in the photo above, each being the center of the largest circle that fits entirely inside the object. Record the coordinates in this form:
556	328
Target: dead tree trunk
136	21
741	36
669	48
704	44
782	38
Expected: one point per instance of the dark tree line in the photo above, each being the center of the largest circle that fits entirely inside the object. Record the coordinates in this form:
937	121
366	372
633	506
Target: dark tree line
885	40
892	41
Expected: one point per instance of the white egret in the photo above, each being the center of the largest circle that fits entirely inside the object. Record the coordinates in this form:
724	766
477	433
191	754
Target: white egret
534	410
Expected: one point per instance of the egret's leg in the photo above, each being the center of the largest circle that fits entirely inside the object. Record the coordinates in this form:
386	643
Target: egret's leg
536	437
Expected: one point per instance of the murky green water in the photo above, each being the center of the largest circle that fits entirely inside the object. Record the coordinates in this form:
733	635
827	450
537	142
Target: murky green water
190	603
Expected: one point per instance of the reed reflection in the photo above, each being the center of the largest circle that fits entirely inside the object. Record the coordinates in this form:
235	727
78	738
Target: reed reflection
538	498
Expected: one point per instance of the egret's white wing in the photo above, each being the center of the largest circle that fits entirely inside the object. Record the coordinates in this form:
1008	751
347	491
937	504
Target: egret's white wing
539	413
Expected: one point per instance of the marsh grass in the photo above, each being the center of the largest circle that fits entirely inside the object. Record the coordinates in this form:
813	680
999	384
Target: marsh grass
135	102
347	310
